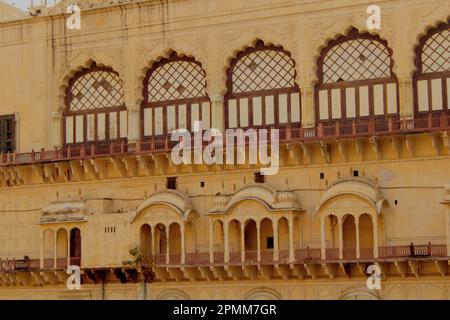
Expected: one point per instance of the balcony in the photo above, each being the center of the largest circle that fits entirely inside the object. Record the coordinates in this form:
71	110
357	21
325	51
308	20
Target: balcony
404	261
339	129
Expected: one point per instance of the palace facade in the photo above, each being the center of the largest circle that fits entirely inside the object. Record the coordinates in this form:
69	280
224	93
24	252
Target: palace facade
86	176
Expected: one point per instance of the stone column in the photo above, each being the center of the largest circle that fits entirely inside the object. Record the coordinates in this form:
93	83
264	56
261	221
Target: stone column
323	238
183	242
258	240
341	238
217	112
55	252
242	242
358	253
227	242
406	97
133	122
167	243
153	239
211	240
276	245
307	107
57	134
291	237
41	252
375	235
68	248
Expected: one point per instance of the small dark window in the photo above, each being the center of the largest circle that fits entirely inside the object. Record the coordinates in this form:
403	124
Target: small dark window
259	178
202	184
322	176
396	202
172	183
7	133
355	173
269	242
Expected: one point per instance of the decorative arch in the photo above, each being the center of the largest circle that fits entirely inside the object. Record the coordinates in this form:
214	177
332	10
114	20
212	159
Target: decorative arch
174	96
268	197
360	187
432	75
356	79
262	294
359	294
176	201
173	294
94	106
262	88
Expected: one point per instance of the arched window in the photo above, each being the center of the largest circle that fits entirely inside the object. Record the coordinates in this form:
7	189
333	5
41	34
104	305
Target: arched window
262	89
432	76
174	97
356	80
95	110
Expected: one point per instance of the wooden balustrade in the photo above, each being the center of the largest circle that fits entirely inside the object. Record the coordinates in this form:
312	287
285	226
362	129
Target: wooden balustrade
267	256
305	255
218	257
286	134
332	253
251	256
61	263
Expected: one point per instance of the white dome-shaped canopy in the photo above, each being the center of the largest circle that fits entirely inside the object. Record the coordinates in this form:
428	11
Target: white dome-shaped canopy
271	199
177	201
357	186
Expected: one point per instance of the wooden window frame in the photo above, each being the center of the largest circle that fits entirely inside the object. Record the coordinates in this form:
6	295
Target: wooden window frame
95	111
419	75
230	95
354	34
4	141
152	105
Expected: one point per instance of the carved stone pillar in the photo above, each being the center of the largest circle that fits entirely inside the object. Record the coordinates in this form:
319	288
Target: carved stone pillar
183	242
291	237
308	115
405	90
41	252
167	244
322	237
227	242
242	242
57	134
133	122
258	240
211	240
68	249
375	235
217	112
341	238
276	246
358	251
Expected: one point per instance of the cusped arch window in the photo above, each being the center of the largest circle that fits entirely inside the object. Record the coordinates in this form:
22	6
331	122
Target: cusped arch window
95	109
356	80
262	91
175	97
432	76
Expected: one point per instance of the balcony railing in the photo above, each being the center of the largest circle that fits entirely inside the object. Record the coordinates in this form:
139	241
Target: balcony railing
61	263
307	255
371	127
251	257
266	256
75	261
